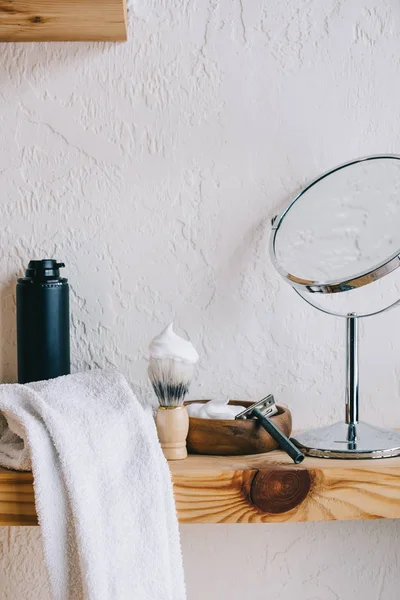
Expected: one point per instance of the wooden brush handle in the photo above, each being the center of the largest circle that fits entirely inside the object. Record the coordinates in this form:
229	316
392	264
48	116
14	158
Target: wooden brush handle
172	427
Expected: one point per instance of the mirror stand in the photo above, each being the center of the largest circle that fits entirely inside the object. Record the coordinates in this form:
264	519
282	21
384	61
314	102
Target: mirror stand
341	233
350	438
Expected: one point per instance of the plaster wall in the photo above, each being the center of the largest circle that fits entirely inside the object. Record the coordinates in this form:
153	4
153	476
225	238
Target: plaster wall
152	168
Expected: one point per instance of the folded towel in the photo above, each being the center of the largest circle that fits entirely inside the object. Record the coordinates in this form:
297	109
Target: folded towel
103	490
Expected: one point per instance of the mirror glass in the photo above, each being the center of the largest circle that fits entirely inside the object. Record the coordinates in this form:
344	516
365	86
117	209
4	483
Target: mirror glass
344	225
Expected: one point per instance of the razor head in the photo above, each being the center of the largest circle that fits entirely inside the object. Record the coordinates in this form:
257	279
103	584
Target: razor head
266	406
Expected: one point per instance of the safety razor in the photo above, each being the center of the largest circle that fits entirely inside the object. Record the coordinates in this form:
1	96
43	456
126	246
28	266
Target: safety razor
262	410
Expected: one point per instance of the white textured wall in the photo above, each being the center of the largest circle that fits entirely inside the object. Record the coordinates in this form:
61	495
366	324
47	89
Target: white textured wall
152	169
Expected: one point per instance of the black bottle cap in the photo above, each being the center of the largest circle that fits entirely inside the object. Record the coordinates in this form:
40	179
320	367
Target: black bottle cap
43	269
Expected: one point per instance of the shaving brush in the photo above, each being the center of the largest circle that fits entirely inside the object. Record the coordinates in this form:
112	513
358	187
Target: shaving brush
171	367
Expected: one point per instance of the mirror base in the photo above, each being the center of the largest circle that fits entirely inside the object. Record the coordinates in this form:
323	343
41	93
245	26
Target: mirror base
338	441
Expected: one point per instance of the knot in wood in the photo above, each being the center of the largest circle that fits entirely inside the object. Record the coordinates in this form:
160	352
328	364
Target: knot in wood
280	490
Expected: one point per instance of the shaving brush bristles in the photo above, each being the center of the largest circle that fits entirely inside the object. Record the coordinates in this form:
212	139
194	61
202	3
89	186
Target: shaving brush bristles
171	380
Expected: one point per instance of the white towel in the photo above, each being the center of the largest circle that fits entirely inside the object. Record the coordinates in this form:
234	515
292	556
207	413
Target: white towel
103	490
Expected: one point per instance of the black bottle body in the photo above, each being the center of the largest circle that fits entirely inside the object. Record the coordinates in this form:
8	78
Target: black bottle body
43	340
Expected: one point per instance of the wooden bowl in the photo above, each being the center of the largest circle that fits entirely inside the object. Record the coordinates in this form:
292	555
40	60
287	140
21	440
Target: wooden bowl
230	437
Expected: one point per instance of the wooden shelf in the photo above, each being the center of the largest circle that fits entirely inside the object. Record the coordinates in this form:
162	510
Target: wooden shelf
265	488
63	20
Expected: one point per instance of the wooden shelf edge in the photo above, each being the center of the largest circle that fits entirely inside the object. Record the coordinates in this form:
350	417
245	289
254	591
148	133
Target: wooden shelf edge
269	488
58	20
265	488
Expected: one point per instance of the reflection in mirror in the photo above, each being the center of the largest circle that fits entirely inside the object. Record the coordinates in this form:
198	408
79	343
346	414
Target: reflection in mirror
365	300
344	224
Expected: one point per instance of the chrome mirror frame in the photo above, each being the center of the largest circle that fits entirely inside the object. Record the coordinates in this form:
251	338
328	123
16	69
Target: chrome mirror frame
337	285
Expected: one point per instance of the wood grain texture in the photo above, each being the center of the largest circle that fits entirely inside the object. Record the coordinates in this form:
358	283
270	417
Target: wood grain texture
63	20
17	502
269	488
265	488
230	437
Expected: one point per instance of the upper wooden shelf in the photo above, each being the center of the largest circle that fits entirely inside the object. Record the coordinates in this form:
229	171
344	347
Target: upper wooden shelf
265	488
63	20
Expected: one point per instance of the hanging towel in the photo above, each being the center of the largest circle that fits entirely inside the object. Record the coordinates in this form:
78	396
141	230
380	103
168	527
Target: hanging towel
103	489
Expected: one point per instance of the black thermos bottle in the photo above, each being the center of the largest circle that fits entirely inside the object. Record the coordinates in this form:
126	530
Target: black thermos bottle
42	322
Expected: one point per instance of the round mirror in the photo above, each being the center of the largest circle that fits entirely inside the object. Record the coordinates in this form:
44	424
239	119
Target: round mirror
343	230
339	234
